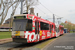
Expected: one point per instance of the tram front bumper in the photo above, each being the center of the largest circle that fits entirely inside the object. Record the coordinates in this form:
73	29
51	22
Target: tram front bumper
20	40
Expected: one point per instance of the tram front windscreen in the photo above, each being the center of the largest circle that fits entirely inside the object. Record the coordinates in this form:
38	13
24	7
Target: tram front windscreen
22	25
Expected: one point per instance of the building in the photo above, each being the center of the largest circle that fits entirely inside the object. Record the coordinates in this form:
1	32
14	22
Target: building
7	26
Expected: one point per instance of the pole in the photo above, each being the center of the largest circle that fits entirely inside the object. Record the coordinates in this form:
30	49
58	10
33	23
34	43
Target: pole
21	6
37	14
53	18
58	20
27	6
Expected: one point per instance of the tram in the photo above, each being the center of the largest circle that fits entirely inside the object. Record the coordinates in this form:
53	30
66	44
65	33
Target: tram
30	28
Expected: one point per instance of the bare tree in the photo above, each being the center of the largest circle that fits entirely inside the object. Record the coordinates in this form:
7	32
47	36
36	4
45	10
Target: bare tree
5	5
0	4
13	12
30	3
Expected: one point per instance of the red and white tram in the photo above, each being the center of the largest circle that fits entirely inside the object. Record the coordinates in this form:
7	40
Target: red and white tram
30	28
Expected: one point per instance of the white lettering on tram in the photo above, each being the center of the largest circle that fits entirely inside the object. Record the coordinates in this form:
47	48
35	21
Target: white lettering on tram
33	23
43	33
53	31
26	34
43	37
33	17
48	34
30	36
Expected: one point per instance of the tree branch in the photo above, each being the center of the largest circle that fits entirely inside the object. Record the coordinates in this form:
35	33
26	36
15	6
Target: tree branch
3	17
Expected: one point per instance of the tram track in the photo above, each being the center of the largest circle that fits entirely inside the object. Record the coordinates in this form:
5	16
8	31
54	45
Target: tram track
22	46
2	41
16	48
28	45
19	47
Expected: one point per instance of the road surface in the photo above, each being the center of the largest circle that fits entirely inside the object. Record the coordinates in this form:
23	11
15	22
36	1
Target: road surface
65	42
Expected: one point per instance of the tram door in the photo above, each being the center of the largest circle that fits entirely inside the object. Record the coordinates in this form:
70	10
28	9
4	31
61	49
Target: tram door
36	27
51	30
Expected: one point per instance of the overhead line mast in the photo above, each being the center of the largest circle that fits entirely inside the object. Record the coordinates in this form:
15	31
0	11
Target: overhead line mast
52	13
21	6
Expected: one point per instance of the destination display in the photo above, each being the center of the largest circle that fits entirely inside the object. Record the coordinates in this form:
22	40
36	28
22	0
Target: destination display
19	17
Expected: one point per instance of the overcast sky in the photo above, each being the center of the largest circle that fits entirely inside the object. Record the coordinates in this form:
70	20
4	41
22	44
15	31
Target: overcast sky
62	8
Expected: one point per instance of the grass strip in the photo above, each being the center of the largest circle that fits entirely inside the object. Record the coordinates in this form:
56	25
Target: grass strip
43	44
4	35
72	32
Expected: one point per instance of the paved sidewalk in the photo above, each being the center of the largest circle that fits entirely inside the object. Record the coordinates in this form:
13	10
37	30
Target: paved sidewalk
66	42
5	40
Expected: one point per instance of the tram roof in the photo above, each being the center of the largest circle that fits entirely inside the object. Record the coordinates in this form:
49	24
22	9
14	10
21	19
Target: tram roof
40	19
20	15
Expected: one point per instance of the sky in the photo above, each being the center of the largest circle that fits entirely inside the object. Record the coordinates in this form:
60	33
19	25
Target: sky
62	8
46	9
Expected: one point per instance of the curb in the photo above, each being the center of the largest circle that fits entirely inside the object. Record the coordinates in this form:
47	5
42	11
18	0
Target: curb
2	41
51	42
48	44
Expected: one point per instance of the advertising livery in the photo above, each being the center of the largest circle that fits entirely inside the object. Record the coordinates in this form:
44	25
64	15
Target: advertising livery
30	28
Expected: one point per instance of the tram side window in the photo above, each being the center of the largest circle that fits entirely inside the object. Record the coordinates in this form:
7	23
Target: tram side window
62	28
44	26
29	25
52	26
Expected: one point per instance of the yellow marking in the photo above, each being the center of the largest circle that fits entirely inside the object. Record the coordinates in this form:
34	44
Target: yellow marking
17	33
45	35
51	32
40	33
55	32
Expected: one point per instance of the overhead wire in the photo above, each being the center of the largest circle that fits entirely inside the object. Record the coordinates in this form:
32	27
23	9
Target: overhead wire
49	10
44	12
41	10
46	8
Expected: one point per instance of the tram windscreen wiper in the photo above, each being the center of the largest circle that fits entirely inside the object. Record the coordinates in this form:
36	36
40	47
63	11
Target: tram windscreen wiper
19	25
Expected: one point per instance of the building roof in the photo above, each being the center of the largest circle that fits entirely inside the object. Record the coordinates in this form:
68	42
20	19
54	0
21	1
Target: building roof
6	24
